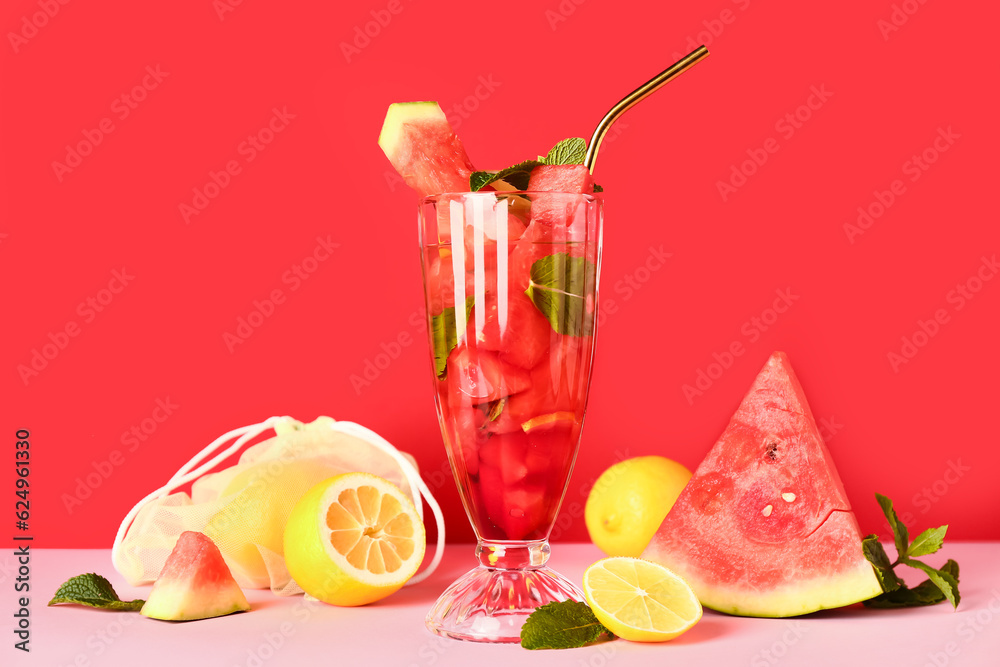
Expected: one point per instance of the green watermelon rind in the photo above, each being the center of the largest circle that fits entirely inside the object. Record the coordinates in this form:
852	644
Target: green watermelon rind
178	602
400	113
789	604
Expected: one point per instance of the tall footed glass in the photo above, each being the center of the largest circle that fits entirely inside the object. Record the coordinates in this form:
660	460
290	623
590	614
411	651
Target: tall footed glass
511	281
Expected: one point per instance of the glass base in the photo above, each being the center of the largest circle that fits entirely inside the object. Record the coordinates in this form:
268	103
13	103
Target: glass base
491	602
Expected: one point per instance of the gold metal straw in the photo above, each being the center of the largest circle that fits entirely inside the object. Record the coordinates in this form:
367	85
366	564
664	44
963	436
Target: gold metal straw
635	97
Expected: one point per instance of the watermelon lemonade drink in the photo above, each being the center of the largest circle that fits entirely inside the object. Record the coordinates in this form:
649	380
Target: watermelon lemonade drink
510	260
511	287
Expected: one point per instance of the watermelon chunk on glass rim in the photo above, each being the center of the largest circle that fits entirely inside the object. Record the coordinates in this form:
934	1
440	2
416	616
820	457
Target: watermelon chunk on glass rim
424	149
764	527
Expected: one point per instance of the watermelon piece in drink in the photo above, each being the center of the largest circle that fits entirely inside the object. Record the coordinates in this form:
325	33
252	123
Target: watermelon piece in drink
553	210
558	383
521	483
522	477
477	377
516	330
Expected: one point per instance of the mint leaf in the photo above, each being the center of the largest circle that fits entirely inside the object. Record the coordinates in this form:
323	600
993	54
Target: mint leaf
559	288
927	593
480	179
876	555
899	532
496	408
444	336
568	151
568	624
874	552
928	541
943	579
923	595
517	176
93	590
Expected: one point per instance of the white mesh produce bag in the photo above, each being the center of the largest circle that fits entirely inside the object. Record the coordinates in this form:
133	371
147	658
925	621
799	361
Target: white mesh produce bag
244	508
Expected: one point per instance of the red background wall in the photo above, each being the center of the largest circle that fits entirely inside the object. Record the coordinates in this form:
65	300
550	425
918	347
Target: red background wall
922	431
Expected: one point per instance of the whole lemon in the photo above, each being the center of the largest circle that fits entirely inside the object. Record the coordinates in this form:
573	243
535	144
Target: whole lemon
629	501
253	519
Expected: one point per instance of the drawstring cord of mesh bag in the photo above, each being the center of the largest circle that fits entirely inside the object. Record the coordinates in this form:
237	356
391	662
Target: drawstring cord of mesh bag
188	473
414	480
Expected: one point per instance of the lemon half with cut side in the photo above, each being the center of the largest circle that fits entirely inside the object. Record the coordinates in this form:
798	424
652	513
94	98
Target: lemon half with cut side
640	600
353	539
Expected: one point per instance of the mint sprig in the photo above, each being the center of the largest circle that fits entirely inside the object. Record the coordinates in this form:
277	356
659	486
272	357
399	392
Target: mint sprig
567	624
941	584
93	590
567	151
927	593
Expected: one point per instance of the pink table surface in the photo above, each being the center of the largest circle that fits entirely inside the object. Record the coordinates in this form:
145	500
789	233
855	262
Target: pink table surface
292	631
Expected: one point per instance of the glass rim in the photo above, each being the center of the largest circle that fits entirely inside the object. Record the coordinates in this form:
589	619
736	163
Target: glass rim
492	194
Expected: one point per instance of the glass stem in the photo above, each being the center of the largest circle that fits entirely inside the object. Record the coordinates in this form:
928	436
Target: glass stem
513	555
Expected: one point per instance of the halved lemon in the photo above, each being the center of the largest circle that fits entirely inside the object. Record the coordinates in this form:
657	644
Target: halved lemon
353	539
640	600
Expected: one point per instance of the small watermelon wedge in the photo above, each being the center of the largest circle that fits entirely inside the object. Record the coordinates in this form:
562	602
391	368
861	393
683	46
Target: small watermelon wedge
195	583
764	527
422	146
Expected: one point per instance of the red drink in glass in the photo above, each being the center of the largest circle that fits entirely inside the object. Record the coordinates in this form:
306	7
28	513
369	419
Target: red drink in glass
511	287
513	444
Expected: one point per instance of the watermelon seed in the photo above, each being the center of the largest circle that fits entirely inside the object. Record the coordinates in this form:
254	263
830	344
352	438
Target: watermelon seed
788	497
772	450
767	511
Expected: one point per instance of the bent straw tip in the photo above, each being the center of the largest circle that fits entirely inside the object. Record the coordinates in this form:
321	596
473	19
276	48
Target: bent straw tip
635	97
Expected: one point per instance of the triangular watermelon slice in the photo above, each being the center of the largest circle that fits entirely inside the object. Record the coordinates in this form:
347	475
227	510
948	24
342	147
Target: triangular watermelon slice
195	583
764	527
